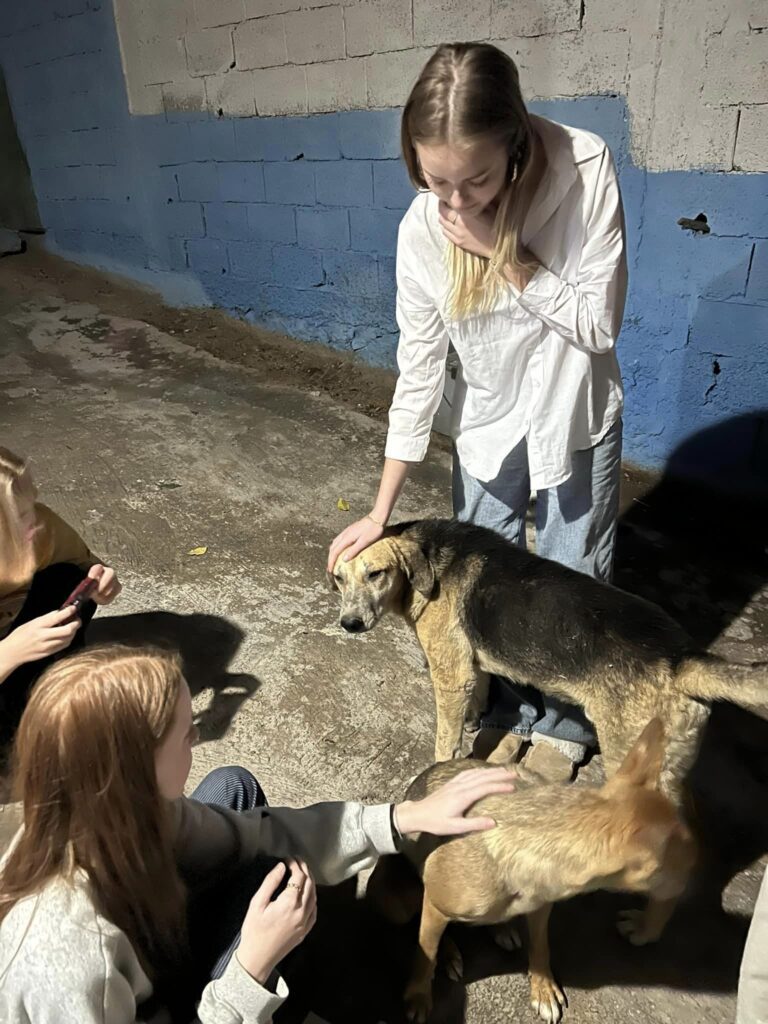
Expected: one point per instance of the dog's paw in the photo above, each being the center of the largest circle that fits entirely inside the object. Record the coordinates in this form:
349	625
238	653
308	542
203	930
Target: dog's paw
418	1005
632	924
508	937
451	959
547	998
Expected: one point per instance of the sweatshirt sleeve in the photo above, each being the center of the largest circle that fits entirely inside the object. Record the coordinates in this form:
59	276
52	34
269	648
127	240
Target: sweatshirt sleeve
337	840
59	542
236	998
421	354
588	313
752	1001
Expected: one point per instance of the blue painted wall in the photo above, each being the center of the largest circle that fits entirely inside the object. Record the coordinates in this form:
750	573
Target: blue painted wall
291	223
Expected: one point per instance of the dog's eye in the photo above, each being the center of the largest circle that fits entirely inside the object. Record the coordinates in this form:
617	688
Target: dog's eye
337	577
374	573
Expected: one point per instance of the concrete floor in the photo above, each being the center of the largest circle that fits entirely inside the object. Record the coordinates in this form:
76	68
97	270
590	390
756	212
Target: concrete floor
152	446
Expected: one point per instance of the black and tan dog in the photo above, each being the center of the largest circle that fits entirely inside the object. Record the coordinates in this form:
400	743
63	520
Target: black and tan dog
481	605
550	843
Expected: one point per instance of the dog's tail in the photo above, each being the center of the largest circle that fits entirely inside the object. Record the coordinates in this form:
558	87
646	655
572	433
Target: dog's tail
711	678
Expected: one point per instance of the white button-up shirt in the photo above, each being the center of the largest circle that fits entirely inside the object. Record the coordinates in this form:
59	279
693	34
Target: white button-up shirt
541	364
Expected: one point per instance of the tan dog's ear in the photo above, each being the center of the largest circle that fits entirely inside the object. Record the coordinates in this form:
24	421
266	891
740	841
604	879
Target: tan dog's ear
642	765
330	579
415	565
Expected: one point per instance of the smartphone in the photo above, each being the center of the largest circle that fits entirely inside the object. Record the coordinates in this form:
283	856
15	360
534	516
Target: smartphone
80	594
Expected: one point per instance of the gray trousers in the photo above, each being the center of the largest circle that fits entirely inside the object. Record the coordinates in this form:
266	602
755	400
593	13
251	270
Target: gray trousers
576	526
752	1002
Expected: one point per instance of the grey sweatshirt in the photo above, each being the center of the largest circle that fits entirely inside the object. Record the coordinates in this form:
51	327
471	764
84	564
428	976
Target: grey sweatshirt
752	1003
61	962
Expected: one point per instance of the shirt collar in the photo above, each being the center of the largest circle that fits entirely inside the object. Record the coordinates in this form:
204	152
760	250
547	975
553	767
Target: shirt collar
565	149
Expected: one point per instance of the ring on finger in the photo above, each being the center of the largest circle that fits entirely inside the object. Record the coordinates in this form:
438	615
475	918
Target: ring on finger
293	885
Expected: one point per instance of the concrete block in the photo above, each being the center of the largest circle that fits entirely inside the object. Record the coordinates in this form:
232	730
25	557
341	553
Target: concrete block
375	26
166	144
736	69
232	94
241	183
439	21
210	51
757	287
166	253
344	183
604	16
198	182
374	230
337	85
570	65
212	140
212	13
227	221
370	134
93	146
181	220
352	273
391	76
251	261
145	99
298	268
533	17
316	137
207	256
391	185
318	228
315	35
281	90
290	183
269	223
161	60
268	138
387	276
263	8
751	152
184	99
260	43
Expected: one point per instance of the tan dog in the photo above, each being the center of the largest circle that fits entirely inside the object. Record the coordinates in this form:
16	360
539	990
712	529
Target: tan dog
481	605
550	843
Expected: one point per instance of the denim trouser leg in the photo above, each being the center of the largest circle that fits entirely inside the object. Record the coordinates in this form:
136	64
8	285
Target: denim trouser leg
576	526
216	912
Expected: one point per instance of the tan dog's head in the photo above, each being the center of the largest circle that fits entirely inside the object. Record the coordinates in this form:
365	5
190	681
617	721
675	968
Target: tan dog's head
652	850
376	580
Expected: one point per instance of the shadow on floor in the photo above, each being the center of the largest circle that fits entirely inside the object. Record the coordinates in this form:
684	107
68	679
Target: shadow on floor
207	644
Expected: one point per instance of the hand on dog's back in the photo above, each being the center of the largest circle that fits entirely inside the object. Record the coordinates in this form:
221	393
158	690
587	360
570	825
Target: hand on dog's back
442	812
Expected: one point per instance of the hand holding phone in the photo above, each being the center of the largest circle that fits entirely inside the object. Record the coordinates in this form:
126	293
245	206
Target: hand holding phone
82	592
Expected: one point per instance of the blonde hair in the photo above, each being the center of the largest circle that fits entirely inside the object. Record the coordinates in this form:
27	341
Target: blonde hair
17	555
84	768
465	93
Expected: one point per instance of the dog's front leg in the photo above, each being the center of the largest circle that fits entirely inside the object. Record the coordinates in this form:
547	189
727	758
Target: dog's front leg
418	994
451	703
547	998
641	927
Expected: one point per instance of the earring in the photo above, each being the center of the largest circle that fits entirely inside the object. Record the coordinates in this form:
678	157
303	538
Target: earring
513	175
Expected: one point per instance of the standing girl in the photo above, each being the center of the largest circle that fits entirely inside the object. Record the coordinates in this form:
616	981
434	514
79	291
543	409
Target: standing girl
513	251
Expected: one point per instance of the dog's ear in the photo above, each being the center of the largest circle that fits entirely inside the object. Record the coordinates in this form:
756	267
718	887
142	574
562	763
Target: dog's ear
330	579
642	765
416	566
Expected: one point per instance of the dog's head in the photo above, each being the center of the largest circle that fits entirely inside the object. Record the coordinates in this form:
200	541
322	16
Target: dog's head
653	850
376	581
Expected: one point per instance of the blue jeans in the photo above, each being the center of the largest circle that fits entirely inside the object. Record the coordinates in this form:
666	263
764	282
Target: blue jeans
576	526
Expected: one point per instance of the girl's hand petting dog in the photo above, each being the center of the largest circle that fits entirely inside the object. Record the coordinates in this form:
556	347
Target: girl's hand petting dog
442	812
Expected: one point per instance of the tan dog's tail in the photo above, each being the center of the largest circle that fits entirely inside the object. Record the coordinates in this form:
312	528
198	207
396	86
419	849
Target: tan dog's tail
711	678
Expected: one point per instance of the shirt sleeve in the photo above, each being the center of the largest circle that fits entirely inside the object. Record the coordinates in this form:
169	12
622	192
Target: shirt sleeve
588	313
421	355
237	998
337	840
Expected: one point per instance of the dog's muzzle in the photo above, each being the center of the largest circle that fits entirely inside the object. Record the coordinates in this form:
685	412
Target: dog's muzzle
352	624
